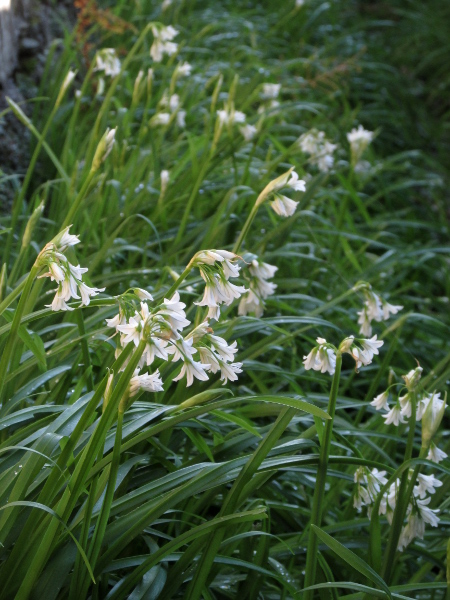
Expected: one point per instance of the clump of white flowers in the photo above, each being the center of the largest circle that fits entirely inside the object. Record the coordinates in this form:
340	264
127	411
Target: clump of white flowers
216	268
229	116
107	61
162	42
375	308
257	274
68	277
160	330
319	148
415	404
270	93
170	106
368	486
282	205
359	139
323	356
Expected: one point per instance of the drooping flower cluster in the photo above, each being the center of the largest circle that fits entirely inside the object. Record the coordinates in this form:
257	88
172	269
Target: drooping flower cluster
170	106
162	42
216	268
323	356
270	93
215	352
374	309
68	277
107	61
359	139
418	513
282	205
259	288
428	407
161	330
319	148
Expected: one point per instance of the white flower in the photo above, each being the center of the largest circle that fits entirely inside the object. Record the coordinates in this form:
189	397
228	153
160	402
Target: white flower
146	382
271	91
364	321
162	44
435	454
414	528
65	239
319	148
173	311
359	139
107	61
165	175
380	402
248	132
390	309
86	292
132	331
428	514
283	206
161	118
181	118
229	116
364	355
250	303
184	69
142	294
299	185
118	319
394	416
321	358
426	483
192	369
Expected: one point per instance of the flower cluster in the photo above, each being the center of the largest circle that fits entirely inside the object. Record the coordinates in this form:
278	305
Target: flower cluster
270	93
323	356
374	309
162	43
369	484
161	330
259	288
319	148
170	106
359	139
282	205
107	61
429	408
216	268
67	276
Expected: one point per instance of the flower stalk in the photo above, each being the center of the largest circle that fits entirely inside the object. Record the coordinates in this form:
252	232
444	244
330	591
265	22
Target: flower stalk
317	507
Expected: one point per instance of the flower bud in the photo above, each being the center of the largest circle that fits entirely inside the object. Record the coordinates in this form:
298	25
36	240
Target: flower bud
65	85
412	378
432	418
108	390
104	148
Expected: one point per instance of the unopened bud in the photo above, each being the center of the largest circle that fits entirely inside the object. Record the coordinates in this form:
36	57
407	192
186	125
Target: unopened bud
108	390
104	148
32	222
412	378
432	418
65	85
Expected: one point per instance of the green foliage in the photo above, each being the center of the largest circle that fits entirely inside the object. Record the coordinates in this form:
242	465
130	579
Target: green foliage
210	491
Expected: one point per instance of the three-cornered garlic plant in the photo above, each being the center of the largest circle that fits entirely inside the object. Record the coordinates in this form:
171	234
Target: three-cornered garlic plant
162	43
414	406
159	330
319	149
107	61
67	276
323	356
375	308
359	139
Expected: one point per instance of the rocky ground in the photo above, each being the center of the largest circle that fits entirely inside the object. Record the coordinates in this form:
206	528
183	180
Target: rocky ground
45	23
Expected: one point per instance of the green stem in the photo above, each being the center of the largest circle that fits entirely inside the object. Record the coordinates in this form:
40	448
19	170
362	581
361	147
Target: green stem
13	337
78	200
319	490
187	210
84	347
12	296
177	283
404	493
